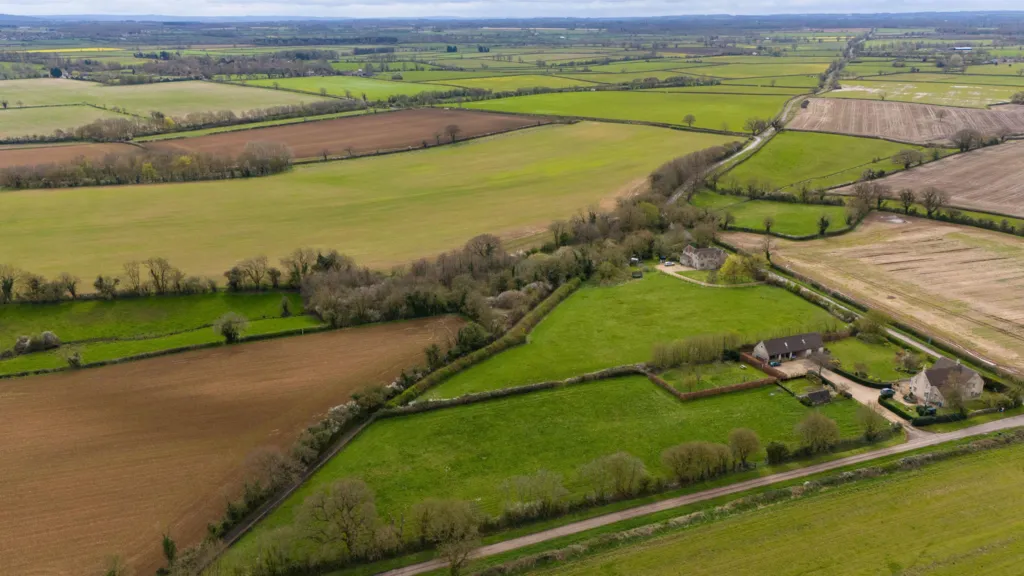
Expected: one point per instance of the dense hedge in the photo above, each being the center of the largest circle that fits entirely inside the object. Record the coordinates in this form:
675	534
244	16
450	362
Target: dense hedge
896	408
878	385
709	391
939	419
514	337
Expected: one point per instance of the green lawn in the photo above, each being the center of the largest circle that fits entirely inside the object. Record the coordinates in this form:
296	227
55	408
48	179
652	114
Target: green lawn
945	94
800	386
705	376
880	359
171	98
467	452
950	518
43	121
601	327
92	352
790	217
714	111
512	83
354	86
380	210
135	317
792	159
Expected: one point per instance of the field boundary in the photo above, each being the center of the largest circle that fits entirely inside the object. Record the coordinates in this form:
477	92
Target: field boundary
709	392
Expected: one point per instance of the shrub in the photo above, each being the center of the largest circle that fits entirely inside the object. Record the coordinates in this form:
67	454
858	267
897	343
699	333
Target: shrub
231	326
777	452
817	432
286	307
619	475
694	350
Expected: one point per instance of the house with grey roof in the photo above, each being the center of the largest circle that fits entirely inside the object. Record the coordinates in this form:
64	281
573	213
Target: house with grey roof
779	349
702	258
928	384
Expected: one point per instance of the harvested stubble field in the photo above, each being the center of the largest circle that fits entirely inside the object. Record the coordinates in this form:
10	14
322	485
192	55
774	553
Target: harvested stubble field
965	519
31	155
364	134
122	453
958	282
988	179
925	92
380	210
916	123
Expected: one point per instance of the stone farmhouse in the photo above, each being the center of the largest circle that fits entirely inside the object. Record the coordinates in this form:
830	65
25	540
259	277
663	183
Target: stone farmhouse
779	349
703	258
928	383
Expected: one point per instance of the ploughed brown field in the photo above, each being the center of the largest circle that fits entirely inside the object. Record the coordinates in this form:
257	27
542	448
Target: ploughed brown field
917	123
989	179
957	282
357	135
26	155
102	461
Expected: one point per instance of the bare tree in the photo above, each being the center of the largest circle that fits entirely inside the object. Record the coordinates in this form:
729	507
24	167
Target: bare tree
453	131
133	277
451	525
820	360
824	221
768	223
255	270
933	200
908	157
755	125
619	475
744	443
69	283
817	432
907	199
767	247
873	423
8	278
342	515
689	119
160	272
559	230
967	139
298	265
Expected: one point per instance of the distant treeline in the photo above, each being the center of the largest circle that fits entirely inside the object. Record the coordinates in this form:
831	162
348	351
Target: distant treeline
324	41
258	159
274	65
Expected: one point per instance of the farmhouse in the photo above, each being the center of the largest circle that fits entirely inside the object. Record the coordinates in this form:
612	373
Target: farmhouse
703	258
927	384
789	347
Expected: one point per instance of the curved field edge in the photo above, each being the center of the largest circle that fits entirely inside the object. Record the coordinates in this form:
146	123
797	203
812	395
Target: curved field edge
379	210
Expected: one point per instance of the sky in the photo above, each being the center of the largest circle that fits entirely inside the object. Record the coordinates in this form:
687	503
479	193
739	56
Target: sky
483	8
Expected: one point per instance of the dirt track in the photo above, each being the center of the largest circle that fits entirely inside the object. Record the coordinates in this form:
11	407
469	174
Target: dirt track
102	461
33	155
364	134
988	179
919	123
961	283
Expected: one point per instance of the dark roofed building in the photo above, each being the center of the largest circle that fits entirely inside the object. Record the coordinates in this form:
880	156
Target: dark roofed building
928	383
789	347
818	397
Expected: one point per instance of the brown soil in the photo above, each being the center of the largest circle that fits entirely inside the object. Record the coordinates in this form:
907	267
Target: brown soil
33	155
960	283
103	461
919	123
988	179
364	134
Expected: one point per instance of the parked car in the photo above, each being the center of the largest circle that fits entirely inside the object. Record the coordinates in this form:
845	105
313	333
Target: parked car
669	263
888	393
926	411
775	363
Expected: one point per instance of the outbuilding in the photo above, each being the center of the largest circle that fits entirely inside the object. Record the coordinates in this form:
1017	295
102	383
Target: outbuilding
779	349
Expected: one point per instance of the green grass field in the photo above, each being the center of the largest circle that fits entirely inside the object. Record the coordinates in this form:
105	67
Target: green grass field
43	121
712	111
602	327
380	210
249	126
773	67
92	352
790	218
515	82
626	78
135	317
808	81
467	452
171	98
355	86
880	359
945	94
705	376
951	518
439	75
960	79
792	159
732	89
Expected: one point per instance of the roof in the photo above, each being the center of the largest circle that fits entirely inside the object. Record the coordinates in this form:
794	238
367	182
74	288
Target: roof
943	368
821	396
789	344
713	251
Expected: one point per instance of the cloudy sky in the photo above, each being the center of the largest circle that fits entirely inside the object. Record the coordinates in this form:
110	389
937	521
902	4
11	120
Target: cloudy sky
483	8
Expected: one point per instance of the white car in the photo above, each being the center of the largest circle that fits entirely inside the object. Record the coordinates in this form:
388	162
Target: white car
670	263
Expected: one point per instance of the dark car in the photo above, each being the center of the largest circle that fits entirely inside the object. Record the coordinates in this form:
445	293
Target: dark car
888	393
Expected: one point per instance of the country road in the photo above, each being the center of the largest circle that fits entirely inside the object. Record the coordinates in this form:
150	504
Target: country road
606	519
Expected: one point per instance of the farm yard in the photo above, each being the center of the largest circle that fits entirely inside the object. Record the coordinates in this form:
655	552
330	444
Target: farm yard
961	283
915	123
359	135
136	449
380	210
799	537
726	112
471	450
596	328
986	179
